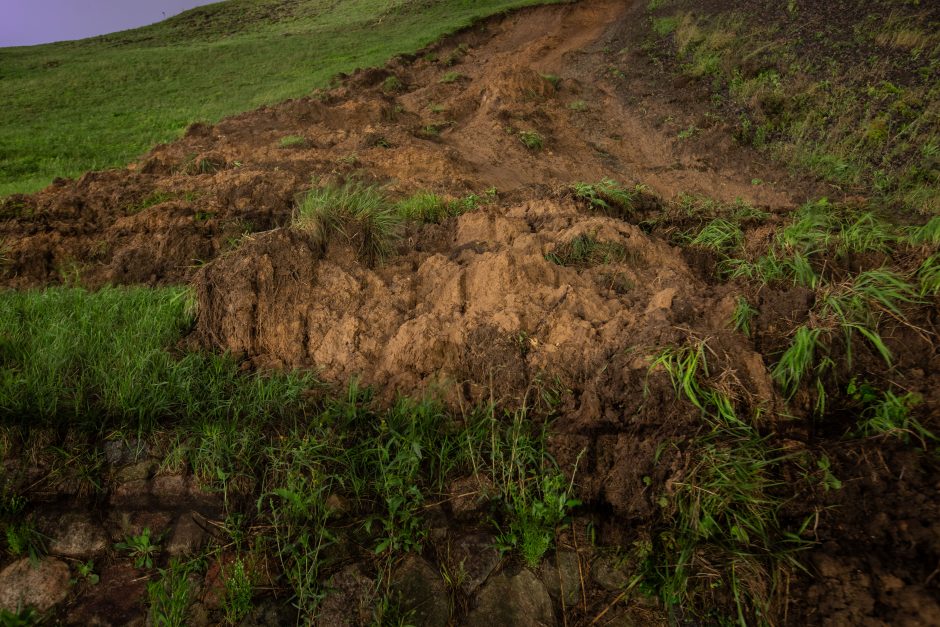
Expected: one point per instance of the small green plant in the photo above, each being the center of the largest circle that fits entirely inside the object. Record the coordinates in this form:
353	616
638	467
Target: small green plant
142	548
450	77
578	105
743	315
354	211
86	572
686	133
455	55
553	79
928	275
719	235
532	140
170	595
829	480
797	361
149	201
236	603
292	141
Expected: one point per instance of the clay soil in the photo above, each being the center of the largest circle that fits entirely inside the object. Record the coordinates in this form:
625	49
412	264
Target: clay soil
473	308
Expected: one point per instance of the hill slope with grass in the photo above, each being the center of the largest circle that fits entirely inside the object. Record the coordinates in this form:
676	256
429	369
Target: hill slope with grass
84	105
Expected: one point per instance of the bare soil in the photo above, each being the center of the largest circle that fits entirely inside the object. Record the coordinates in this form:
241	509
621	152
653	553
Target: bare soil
472	307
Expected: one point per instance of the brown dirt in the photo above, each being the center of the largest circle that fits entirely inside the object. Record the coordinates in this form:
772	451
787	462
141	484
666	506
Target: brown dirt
472	307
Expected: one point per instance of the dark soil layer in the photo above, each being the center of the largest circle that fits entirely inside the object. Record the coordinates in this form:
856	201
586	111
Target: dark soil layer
475	307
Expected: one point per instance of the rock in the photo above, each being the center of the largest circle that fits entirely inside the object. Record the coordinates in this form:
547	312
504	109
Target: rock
610	573
187	536
520	600
76	535
170	487
139	471
469	495
420	589
42	585
563	578
349	601
118	452
470	560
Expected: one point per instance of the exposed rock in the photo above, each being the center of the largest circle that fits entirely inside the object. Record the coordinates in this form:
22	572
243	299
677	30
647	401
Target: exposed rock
75	534
471	558
562	577
520	600
610	572
349	601
420	589
42	585
136	472
468	495
187	536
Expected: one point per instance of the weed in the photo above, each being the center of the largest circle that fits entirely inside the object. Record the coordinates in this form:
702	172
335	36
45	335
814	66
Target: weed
24	539
86	571
928	275
436	108
797	361
532	140
450	77
829	480
687	132
664	26
292	141
354	211
925	235
743	315
578	105
865	234
141	548
455	55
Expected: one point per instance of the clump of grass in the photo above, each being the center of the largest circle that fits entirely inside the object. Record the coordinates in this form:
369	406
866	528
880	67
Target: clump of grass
720	235
743	315
578	105
532	140
456	55
608	195
585	251
354	211
424	207
450	77
292	141
392	84
553	79
171	595
928	275
887	413
149	201
719	541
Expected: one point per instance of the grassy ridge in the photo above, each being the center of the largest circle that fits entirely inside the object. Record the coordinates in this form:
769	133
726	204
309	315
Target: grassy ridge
74	106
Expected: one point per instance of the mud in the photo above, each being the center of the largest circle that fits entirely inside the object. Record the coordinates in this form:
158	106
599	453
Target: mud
474	309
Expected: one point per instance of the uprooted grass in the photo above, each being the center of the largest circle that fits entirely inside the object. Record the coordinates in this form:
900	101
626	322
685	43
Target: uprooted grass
719	551
585	251
357	212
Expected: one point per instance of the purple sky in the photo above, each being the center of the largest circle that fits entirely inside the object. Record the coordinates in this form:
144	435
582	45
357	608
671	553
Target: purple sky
27	22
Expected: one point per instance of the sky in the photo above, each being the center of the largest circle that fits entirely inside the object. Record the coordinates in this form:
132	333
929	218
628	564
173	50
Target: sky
28	22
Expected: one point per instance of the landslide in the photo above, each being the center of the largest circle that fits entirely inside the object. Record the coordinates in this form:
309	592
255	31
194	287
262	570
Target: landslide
477	307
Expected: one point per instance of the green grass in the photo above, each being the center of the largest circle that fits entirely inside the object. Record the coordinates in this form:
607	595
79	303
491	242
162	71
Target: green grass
359	213
532	140
743	316
292	141
101	360
450	77
608	196
213	61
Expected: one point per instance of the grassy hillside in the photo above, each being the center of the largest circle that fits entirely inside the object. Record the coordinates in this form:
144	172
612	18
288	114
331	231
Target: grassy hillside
75	106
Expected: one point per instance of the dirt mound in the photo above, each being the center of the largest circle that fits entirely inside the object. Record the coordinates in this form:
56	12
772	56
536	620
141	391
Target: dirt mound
491	314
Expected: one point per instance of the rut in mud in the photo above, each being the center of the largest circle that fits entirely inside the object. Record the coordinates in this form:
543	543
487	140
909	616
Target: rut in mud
484	306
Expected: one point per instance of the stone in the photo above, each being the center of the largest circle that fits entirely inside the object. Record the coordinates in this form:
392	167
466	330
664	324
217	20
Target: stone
139	471
520	600
469	495
563	577
76	535
470	559
349	600
187	536
170	487
42	585
610	573
117	452
420	589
